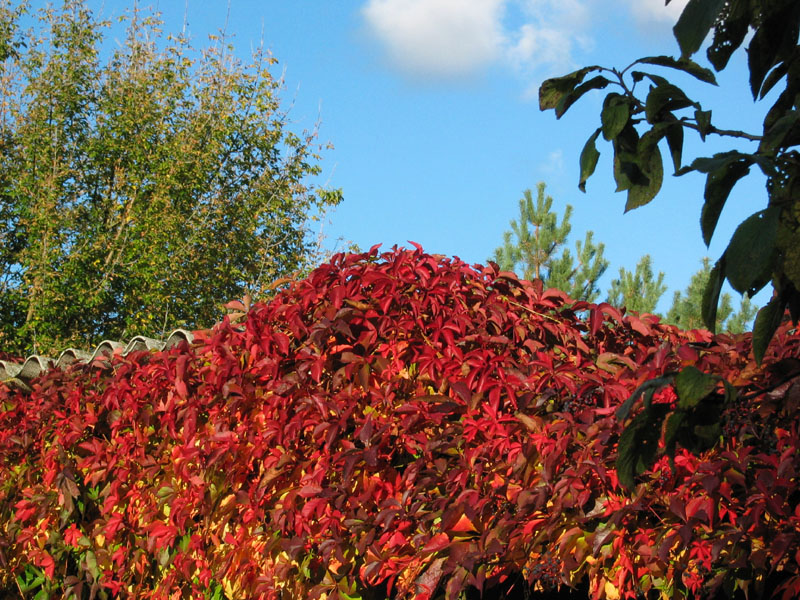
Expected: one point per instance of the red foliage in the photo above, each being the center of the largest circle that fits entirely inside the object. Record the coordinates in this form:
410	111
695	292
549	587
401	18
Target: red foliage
400	422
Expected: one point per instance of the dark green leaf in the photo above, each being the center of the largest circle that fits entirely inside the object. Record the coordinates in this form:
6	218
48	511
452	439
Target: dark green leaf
708	164
683	64
650	162
552	91
708	308
774	41
750	254
774	77
730	391
703	118
719	184
626	170
588	162
637	448
729	33
692	385
776	135
595	83
663	99
708	434
656	79
672	430
674	135
767	321
615	115
650	386
694	24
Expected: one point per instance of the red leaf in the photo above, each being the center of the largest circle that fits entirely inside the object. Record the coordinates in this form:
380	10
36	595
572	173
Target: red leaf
438	542
463	525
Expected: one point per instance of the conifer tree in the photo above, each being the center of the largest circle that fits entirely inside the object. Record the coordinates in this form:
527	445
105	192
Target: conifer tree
532	248
640	290
686	307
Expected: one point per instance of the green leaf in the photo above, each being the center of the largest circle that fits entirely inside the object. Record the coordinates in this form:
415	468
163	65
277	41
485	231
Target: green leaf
552	91
730	392
665	98
615	115
703	118
649	387
774	77
91	564
637	448
774	41
692	385
674	135
694	24
683	64
708	164
776	135
750	254
708	307
588	161
767	321
595	83
672	430
652	167
719	184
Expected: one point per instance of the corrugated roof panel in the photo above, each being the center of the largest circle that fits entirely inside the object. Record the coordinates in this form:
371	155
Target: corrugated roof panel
20	374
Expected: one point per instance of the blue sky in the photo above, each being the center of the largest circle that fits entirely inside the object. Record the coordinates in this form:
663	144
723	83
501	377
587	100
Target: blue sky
432	111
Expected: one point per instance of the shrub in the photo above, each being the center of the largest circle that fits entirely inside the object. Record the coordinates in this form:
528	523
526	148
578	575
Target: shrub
399	425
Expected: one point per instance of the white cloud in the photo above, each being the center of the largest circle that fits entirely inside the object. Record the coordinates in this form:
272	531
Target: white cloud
438	38
447	39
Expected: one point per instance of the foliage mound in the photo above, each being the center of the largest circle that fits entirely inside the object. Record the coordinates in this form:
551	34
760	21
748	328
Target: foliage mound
401	425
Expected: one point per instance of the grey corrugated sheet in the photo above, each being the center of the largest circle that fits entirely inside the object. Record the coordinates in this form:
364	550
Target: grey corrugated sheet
20	374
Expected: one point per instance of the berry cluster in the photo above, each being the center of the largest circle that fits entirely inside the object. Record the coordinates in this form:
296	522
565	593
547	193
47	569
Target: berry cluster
547	571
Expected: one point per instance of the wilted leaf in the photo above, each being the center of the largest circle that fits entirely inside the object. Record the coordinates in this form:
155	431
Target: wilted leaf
595	83
552	91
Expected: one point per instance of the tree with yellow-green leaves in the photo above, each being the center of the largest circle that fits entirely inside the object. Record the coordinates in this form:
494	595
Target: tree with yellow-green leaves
140	191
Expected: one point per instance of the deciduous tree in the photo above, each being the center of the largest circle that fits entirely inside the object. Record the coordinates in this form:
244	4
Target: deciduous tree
646	109
140	191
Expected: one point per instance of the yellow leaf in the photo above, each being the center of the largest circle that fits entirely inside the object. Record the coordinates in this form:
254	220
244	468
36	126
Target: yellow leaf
611	591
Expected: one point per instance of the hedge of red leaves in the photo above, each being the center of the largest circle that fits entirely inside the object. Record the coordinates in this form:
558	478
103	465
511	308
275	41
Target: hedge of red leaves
398	425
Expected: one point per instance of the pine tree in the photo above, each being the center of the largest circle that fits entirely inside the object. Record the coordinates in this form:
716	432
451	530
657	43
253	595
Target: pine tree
638	291
532	247
740	321
686	312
